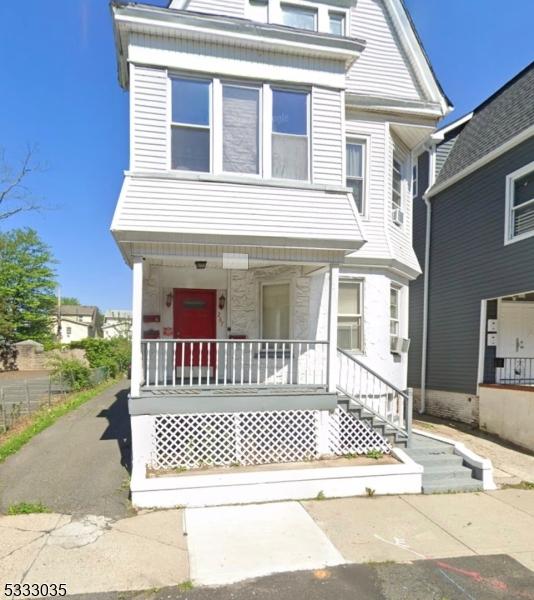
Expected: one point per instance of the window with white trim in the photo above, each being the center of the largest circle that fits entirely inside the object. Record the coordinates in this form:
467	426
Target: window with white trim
520	203
356	166
290	148
301	17
415	180
396	184
191	125
275	303
336	23
394	315
350	315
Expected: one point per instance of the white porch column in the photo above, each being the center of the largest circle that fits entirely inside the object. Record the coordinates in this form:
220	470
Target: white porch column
137	325
333	293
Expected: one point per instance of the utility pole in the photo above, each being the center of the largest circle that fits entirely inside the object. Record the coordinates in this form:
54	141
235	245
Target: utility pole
58	314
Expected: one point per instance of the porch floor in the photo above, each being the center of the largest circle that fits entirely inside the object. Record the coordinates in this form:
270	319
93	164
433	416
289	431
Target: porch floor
234	390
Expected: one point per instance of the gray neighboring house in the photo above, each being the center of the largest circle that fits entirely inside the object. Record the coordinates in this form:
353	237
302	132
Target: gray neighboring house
472	312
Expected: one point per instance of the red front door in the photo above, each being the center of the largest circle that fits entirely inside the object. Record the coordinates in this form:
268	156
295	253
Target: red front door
195	318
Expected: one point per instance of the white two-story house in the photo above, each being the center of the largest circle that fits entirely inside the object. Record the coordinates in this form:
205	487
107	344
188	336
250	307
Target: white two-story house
266	215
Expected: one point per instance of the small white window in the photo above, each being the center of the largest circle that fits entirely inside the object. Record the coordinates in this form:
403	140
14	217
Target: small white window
415	181
349	315
520	203
258	10
337	23
356	165
396	184
275	311
394	315
300	17
69	331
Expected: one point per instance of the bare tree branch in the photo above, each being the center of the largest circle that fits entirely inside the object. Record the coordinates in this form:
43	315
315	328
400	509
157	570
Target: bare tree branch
15	196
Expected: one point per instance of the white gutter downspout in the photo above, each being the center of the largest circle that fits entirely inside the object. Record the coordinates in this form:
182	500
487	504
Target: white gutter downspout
426	275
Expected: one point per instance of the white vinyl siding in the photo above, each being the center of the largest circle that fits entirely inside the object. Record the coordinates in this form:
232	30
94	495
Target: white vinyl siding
327	136
520	204
230	8
350	315
148	121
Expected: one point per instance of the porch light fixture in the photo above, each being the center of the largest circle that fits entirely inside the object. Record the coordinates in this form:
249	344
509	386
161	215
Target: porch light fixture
222	301
168	300
201	264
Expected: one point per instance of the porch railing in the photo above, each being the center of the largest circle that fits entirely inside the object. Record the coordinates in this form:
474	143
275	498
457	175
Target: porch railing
514	371
374	393
202	362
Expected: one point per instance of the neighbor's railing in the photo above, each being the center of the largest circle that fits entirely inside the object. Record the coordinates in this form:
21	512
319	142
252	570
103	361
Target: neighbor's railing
202	362
515	371
374	393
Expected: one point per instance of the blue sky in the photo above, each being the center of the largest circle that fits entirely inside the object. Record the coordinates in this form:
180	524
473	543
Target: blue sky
59	91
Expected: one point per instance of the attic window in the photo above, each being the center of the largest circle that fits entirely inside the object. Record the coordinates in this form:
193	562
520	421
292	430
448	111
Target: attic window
300	17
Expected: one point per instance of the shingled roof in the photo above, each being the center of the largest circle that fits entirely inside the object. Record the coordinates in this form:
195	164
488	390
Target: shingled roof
505	114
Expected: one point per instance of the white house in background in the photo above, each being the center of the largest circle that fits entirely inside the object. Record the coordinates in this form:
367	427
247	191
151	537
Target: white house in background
266	215
76	323
117	323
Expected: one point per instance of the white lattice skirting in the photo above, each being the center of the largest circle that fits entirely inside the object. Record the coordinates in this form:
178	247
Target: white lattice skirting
190	441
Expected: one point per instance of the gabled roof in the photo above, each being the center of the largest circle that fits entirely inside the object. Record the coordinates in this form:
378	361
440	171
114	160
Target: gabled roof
118	314
505	115
74	310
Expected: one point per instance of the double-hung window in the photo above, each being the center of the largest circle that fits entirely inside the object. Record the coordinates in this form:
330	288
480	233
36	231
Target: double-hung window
396	184
301	17
349	315
191	124
290	139
415	181
241	129
356	159
337	23
520	203
394	315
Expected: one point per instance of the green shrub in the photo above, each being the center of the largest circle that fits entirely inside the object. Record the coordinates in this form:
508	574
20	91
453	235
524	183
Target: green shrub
73	371
112	354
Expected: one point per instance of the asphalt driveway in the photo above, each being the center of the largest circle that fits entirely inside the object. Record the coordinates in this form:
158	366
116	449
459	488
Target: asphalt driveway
78	466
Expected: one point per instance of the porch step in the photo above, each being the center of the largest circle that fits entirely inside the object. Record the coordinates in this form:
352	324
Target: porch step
440	473
452	486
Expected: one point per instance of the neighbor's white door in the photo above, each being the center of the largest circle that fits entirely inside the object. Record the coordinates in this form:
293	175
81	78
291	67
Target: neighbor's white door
516	330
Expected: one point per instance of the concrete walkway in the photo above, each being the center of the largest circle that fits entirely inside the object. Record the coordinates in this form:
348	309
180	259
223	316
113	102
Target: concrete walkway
79	465
216	546
511	465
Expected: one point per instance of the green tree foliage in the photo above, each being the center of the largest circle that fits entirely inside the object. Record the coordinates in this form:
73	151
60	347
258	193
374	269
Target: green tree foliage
70	301
114	354
27	283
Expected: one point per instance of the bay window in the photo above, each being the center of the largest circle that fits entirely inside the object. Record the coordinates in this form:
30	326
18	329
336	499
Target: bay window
190	127
394	315
349	315
290	135
356	165
396	184
520	203
301	17
241	106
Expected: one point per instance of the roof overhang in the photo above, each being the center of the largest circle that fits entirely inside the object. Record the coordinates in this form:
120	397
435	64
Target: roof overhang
382	104
230	31
411	134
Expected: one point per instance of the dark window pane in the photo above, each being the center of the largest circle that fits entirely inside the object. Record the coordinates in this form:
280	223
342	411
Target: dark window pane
356	185
290	112
190	101
524	189
290	157
191	149
240	129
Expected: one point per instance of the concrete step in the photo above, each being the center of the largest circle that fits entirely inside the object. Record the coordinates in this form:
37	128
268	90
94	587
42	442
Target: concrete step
439	473
432	452
451	486
442	460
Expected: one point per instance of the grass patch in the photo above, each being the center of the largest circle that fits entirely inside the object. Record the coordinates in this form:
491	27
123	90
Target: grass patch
27	508
376	454
12	442
186	586
524	485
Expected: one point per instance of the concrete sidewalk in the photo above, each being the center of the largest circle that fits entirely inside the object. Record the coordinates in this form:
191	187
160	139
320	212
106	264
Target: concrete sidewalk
221	545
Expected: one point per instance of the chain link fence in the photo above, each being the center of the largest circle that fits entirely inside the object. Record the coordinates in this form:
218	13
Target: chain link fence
20	398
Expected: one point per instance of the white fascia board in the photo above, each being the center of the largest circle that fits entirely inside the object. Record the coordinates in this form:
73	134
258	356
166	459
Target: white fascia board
451	126
502	149
389	264
416	55
431	110
224	30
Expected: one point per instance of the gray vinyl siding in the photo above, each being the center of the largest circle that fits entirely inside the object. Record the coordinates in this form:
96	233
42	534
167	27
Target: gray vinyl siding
416	286
469	263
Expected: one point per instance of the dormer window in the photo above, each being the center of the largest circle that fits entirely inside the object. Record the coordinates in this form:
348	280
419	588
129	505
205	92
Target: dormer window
300	17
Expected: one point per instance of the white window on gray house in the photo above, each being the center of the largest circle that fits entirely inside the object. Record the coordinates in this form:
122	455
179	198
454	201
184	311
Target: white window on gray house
349	315
415	181
290	148
396	184
520	203
300	17
241	118
394	315
275	311
190	129
356	159
337	23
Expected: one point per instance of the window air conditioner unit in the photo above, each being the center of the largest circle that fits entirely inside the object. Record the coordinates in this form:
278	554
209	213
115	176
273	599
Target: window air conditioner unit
400	345
398	216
